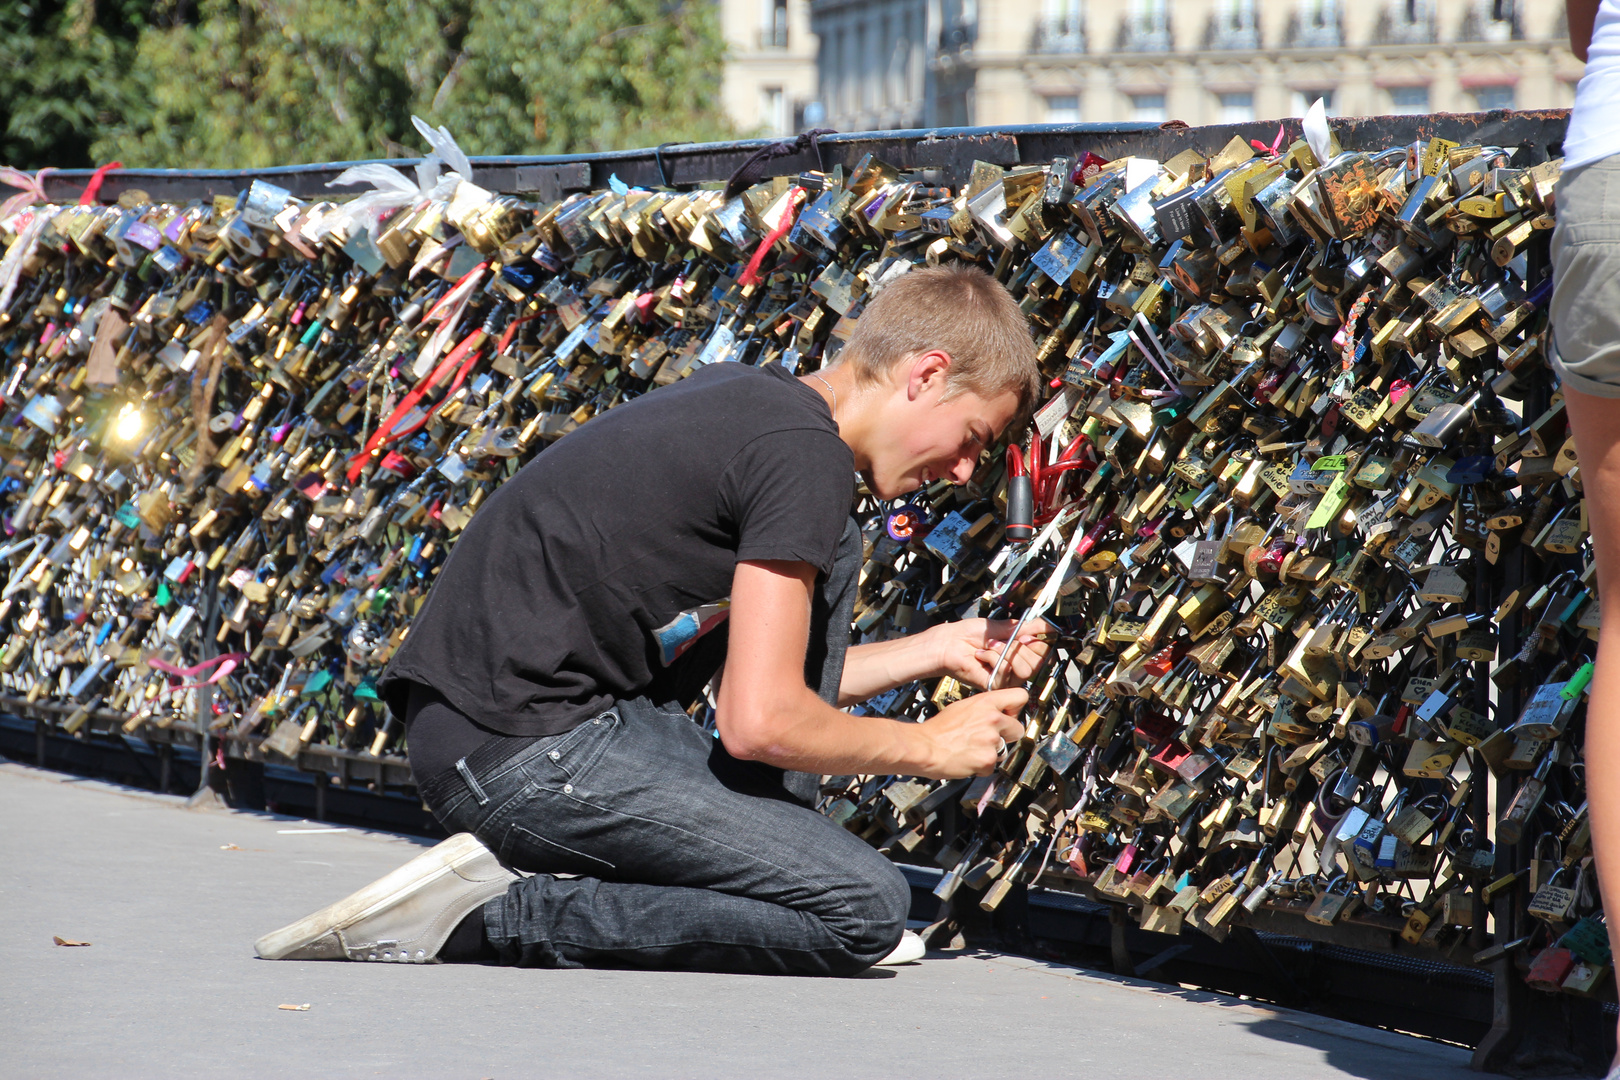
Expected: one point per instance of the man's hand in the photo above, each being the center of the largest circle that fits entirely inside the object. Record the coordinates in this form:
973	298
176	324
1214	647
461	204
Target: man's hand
968	735
767	713
968	650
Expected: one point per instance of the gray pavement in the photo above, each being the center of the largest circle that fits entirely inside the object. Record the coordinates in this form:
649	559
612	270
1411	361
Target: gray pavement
171	899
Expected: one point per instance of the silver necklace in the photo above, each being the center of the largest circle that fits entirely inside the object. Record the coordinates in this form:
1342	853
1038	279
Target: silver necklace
831	391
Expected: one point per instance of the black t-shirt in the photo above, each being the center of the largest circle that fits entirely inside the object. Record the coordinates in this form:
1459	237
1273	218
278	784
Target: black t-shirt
588	576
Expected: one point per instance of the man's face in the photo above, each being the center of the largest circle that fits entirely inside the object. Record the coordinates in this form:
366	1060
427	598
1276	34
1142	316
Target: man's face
926	436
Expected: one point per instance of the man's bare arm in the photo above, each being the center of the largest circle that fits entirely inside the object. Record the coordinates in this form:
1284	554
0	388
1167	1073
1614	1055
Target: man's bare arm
1581	15
767	713
965	650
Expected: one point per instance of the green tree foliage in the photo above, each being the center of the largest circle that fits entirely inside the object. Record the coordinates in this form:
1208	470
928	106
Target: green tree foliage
64	76
272	82
587	75
244	83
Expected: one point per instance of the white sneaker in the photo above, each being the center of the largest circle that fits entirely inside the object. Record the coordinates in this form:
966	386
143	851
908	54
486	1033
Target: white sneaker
403	917
911	948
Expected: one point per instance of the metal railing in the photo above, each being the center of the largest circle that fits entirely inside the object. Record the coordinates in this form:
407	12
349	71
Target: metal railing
949	151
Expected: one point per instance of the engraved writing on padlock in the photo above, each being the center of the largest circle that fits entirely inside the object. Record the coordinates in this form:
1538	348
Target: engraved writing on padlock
1552	902
1443	585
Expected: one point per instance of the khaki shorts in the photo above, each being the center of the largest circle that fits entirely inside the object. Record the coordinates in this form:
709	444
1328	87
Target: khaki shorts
1586	272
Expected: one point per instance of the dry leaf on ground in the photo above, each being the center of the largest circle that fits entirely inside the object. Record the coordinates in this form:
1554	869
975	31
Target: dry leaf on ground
68	941
295	1008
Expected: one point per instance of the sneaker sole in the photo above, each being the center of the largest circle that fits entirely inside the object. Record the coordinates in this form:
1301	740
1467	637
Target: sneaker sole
463	855
910	949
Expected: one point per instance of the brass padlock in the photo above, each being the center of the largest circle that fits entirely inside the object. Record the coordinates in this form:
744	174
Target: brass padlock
1330	904
1443	585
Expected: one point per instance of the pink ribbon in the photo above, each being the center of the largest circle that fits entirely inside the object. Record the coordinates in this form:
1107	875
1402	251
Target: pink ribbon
1276	144
227	664
30	189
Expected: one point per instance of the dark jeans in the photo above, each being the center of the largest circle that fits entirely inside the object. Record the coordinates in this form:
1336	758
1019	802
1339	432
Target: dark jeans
686	857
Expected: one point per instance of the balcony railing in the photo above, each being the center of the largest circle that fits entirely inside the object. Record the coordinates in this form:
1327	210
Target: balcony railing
1144	35
1492	20
1406	22
1316	26
1226	33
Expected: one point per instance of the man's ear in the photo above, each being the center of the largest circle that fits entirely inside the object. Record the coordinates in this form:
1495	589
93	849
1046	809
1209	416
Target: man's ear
927	372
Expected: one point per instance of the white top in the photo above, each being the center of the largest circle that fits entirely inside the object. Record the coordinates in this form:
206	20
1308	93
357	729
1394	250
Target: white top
1594	125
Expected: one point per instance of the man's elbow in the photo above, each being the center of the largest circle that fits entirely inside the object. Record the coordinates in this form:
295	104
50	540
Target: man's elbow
749	735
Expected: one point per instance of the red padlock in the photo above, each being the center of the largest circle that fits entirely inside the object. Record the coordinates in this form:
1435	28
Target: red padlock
1160	663
1126	860
1269	383
1263	562
1155	728
1172	754
1550	968
398	464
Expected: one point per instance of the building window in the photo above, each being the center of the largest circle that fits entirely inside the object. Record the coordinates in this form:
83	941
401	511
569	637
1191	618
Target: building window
1233	26
961	25
897	86
1062	27
1303	99
888	40
1237	107
773	24
1063	108
1146	27
862	71
1487	98
833	65
1407	100
1148	108
773	110
1316	25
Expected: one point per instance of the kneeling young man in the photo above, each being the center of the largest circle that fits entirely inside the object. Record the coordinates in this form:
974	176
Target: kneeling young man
545	681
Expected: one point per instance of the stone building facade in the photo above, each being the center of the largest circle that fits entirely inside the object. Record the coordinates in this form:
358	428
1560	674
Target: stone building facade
770	74
909	63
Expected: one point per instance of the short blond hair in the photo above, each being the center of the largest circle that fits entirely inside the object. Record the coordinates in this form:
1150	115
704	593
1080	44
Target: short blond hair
960	310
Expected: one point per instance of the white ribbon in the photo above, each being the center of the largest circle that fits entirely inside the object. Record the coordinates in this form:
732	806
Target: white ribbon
450	310
392	189
1318	136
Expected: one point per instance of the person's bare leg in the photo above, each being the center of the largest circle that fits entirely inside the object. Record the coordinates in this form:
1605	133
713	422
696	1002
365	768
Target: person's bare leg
1595	422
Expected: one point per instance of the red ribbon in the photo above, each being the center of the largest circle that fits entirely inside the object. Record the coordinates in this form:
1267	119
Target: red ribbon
511	332
92	190
473	342
1276	144
465	354
750	276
